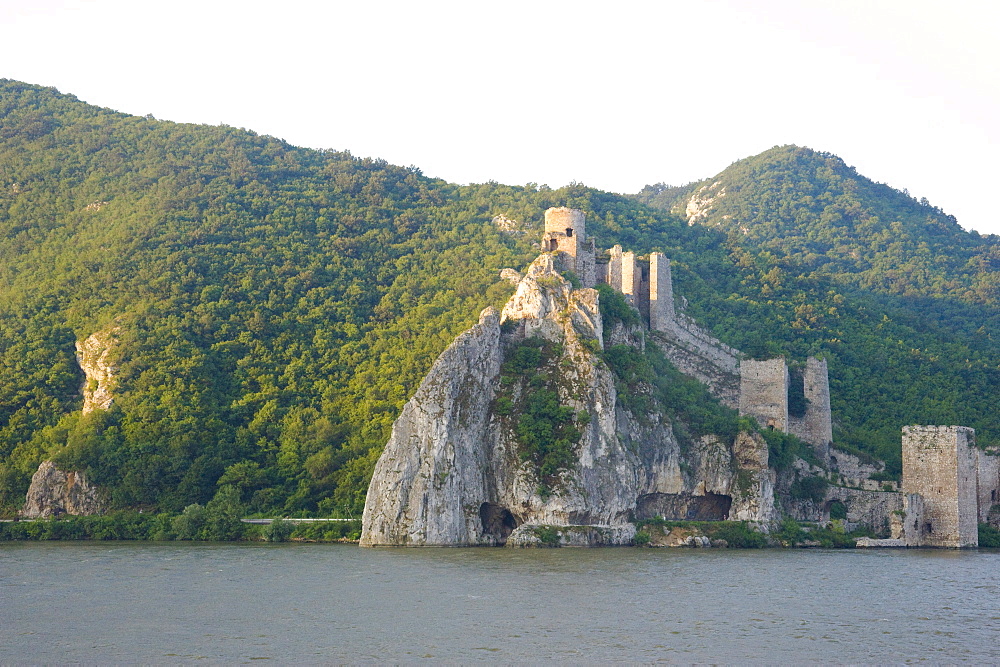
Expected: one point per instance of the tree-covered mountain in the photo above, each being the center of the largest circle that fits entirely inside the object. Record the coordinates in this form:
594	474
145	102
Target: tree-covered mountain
813	210
277	305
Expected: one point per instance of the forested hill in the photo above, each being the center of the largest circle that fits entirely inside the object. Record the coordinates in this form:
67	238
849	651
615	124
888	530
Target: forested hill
278	305
813	210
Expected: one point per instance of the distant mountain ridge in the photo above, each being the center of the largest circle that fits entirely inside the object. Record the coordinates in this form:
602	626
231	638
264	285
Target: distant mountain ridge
812	209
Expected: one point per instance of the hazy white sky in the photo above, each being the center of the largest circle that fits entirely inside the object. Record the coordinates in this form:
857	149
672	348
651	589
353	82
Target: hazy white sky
615	95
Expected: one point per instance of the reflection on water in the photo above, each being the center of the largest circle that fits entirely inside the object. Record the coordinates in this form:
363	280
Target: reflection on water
135	602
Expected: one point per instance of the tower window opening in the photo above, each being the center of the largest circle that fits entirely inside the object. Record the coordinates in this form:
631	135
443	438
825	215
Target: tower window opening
569	231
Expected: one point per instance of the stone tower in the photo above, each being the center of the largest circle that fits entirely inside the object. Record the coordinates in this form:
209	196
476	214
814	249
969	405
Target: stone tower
816	425
764	392
661	292
939	464
566	233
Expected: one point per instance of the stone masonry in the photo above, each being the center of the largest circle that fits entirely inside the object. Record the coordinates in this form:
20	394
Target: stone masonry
940	464
988	476
764	392
566	233
816	426
661	292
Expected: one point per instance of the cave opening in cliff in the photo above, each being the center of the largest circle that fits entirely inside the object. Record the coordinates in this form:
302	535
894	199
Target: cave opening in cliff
683	506
498	522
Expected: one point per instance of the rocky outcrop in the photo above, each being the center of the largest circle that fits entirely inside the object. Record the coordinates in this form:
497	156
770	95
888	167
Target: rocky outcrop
699	204
54	492
454	473
95	358
426	482
753	487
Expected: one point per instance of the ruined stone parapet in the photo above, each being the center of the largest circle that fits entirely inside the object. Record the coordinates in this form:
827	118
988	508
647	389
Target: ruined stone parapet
872	509
614	275
764	392
851	467
816	425
940	464
685	330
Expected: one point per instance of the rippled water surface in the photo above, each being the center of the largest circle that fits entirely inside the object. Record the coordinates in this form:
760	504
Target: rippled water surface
168	603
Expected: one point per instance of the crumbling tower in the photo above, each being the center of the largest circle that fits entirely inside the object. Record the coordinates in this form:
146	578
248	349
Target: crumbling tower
661	292
939	464
565	232
816	425
764	392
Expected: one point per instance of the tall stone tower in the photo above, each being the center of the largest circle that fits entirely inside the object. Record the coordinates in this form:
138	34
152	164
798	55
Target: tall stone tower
764	392
939	464
565	230
566	233
816	425
661	292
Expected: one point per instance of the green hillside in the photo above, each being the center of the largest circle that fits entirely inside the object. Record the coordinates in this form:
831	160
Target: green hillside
278	305
812	210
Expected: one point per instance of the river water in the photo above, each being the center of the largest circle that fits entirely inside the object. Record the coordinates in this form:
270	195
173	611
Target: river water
181	603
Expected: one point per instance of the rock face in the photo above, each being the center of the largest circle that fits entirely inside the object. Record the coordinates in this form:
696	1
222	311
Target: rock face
94	356
453	472
54	492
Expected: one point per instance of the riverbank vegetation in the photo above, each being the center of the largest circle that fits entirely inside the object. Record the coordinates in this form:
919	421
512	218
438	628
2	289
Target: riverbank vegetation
197	526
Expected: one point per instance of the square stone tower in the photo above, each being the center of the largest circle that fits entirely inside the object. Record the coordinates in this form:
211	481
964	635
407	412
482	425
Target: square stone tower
764	392
661	292
939	463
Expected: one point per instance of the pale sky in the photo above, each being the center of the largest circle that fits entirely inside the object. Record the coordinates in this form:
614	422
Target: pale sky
614	95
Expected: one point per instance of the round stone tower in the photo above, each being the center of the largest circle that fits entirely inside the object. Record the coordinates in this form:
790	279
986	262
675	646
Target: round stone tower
567	222
566	234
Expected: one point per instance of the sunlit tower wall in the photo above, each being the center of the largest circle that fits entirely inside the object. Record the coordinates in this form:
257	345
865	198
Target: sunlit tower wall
661	292
566	232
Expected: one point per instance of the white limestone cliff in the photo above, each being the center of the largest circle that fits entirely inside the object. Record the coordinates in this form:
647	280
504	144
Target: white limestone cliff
451	473
95	358
54	492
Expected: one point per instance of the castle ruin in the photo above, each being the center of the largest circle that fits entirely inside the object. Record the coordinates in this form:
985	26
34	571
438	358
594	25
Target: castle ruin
948	487
758	389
